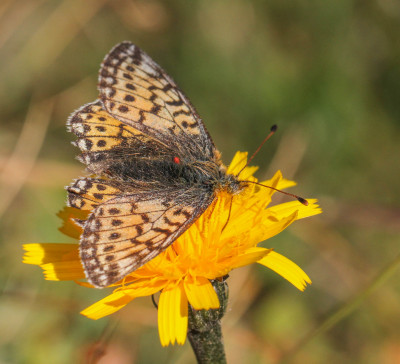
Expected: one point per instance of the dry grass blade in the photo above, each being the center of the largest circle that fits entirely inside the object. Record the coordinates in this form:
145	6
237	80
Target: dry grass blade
345	310
27	148
11	19
51	39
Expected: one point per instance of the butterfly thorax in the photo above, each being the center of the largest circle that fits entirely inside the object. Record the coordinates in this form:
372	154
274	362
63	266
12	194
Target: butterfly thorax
213	176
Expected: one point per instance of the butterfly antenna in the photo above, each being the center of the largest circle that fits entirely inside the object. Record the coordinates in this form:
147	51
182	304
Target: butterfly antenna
271	133
298	198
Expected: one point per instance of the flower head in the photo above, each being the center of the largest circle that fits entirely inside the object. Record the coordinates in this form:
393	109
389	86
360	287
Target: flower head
223	238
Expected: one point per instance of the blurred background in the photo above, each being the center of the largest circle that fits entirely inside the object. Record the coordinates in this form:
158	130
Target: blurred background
328	73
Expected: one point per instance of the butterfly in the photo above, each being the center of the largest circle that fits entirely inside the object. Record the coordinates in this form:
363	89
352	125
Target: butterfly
153	166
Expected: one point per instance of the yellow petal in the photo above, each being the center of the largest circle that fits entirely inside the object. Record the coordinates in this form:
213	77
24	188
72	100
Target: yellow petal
201	294
250	256
248	172
173	316
63	271
287	269
285	183
144	287
49	252
72	212
121	296
107	305
278	181
270	227
274	181
287	208
238	162
69	227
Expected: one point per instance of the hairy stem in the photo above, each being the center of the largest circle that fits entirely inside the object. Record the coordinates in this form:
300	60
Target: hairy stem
204	329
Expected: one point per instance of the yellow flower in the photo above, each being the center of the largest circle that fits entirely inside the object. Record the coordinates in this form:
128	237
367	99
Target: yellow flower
206	251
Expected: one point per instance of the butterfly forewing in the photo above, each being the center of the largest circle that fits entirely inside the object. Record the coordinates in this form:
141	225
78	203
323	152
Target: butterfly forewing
124	233
135	90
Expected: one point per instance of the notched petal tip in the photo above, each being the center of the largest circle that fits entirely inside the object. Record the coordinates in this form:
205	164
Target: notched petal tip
287	269
173	316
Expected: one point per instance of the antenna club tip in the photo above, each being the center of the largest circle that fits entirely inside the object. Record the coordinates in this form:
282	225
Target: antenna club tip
302	201
274	128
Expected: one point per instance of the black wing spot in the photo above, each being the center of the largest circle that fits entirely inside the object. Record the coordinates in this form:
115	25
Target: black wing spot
155	109
127	76
129	98
113	211
98	224
123	108
169	222
145	217
163	231
88	144
186	214
114	236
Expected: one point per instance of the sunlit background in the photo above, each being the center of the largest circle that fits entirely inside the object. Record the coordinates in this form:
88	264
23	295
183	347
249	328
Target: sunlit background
328	73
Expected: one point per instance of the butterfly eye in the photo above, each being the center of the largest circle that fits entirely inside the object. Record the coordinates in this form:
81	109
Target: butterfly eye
177	160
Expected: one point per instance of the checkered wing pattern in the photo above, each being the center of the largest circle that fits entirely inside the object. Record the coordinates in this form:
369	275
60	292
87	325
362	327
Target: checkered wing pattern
137	91
126	230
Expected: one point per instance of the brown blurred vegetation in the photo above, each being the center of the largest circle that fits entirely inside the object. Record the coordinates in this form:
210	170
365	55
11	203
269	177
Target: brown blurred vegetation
328	73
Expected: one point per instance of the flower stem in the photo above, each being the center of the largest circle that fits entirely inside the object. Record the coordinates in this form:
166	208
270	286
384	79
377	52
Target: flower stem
204	329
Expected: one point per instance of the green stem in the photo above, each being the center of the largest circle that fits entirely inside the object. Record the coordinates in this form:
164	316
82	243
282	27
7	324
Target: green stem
204	331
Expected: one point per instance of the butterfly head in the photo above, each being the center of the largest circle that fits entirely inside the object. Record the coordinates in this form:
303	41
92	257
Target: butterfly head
231	184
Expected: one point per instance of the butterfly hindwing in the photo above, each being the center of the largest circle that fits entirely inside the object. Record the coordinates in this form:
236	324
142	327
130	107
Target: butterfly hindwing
103	139
88	193
137	91
124	233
